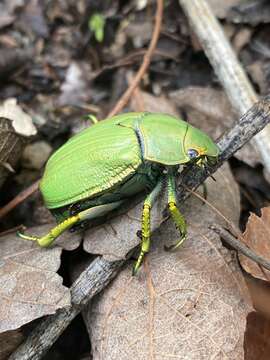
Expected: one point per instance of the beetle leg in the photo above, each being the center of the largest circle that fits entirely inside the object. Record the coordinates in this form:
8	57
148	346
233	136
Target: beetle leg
176	215
87	214
146	225
46	240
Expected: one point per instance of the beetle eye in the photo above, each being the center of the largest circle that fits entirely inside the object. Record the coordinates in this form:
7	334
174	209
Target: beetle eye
192	153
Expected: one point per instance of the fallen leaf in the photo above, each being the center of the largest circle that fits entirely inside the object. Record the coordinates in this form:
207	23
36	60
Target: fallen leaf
21	122
32	19
35	155
242	38
210	102
221	8
256	237
258	71
189	304
153	103
260	294
15	127
6	16
75	88
252	12
257	335
12	59
9	341
210	110
29	285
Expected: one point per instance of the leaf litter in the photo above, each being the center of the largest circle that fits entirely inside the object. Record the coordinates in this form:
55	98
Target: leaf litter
163	311
29	284
257	237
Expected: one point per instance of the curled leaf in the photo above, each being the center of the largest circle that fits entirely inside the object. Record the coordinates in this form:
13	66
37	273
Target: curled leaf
257	236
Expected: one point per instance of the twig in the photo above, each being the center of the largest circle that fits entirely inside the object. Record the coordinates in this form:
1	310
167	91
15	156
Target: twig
19	199
238	245
101	271
226	65
146	61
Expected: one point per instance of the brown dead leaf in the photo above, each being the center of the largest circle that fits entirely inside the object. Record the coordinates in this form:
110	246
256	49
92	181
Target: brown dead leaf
15	127
210	110
29	285
257	335
258	70
213	104
252	12
75	88
190	304
221	8
257	237
9	341
242	38
260	294
152	103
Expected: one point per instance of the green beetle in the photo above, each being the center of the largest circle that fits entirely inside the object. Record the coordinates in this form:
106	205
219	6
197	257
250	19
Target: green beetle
104	165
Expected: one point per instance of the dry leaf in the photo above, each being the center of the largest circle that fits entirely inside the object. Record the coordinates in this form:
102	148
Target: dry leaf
9	341
152	103
210	110
212	103
221	8
29	285
75	88
257	346
260	294
21	122
191	304
257	236
252	12
15	126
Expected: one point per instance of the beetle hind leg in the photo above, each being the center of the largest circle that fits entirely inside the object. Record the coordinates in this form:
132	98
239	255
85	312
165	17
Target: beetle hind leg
175	213
87	214
146	225
47	239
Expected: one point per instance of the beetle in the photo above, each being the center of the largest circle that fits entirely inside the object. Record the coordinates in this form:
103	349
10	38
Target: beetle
98	169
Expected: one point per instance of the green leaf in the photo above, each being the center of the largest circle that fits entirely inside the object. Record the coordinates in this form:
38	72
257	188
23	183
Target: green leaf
96	24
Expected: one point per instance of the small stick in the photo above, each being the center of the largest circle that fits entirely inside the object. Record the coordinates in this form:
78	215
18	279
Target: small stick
238	245
226	65
19	199
146	61
50	328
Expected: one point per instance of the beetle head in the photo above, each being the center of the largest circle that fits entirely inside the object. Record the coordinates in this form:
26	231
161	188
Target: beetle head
200	148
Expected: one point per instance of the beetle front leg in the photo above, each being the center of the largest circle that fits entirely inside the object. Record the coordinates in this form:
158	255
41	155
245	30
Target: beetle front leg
146	225
175	213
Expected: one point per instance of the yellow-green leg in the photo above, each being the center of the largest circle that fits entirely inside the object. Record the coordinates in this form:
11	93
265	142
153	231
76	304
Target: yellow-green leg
176	215
47	239
87	214
146	225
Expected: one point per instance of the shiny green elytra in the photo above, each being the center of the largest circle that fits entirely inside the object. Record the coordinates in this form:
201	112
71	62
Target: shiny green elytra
104	165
